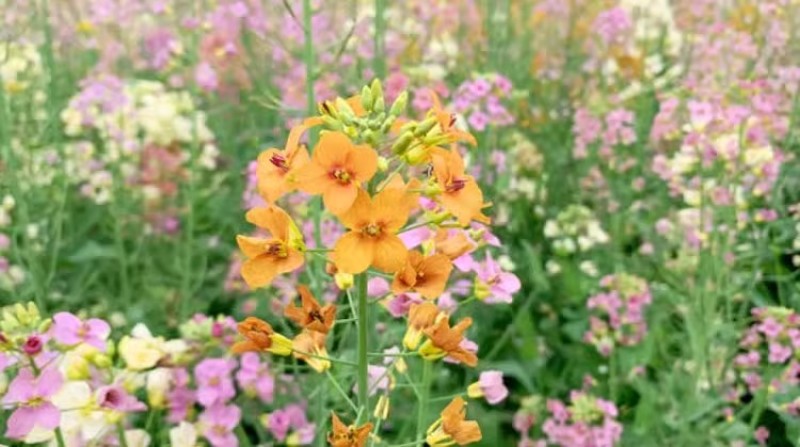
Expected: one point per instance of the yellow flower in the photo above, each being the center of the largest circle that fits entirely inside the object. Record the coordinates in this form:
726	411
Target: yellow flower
140	353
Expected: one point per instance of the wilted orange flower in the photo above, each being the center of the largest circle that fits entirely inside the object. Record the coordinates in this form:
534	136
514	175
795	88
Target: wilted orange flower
447	123
277	169
421	316
372	239
424	275
446	341
336	170
452	242
311	315
282	252
458	192
452	427
259	336
344	436
310	346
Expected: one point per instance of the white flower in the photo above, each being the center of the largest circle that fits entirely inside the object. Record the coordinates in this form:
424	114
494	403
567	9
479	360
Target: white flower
184	435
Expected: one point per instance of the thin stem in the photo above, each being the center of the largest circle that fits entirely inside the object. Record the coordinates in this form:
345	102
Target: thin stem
309	59
243	436
379	61
60	437
363	359
423	397
341	390
121	435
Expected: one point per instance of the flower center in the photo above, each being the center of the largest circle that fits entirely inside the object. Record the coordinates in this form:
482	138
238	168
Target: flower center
342	176
456	185
34	401
214	381
277	249
315	316
372	230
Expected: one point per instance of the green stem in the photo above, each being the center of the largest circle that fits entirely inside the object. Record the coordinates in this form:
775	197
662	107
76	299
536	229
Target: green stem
60	438
363	359
378	60
311	109
423	397
243	436
121	434
338	387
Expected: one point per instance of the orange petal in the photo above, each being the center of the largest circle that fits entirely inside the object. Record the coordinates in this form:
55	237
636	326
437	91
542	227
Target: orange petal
359	211
391	206
364	162
313	178
353	253
273	219
292	262
339	198
390	254
332	150
259	271
250	246
244	346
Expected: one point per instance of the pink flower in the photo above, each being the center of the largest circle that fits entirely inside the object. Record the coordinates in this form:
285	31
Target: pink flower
70	330
181	397
214	382
378	379
33	345
115	397
492	387
206	77
292	417
254	377
30	395
761	435
218	422
493	283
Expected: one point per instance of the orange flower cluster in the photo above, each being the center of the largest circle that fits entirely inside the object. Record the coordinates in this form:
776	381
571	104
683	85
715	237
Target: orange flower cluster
366	167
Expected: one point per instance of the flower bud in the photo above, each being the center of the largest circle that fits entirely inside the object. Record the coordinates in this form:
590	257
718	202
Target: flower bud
382	408
344	281
399	105
366	98
383	164
377	94
402	143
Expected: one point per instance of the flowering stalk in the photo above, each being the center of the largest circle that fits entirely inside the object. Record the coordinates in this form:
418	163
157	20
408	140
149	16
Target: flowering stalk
363	360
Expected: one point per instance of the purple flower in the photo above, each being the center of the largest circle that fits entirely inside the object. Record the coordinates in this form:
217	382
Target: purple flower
254	377
493	284
214	382
30	395
478	120
218	422
70	330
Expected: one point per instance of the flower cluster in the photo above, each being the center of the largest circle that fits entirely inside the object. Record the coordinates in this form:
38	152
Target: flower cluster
393	223
618	313
770	351
135	134
575	230
71	380
480	101
585	421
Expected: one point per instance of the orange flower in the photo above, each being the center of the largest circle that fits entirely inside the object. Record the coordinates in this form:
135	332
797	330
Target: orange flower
259	336
310	346
277	169
446	341
447	123
458	192
372	239
336	170
453	243
420	317
452	427
344	436
311	315
425	275
282	252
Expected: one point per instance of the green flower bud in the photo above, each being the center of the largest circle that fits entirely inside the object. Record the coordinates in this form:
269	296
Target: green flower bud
366	98
401	144
400	104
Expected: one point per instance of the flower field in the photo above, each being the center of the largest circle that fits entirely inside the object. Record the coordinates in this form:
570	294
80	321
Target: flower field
533	223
